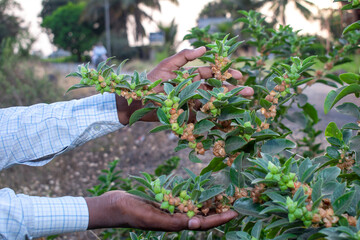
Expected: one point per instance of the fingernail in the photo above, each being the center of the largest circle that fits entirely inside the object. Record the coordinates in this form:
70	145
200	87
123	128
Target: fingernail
194	223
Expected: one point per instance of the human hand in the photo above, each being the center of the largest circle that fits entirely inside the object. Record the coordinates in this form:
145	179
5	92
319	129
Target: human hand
120	209
164	70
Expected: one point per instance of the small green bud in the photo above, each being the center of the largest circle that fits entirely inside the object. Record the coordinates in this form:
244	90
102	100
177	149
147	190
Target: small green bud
107	89
192	145
168	192
132	86
163	190
269	176
139	93
159	197
273	169
180	131
292	208
214	112
164	205
199	205
98	87
283	188
118	92
187	197
290	184
309	216
247	124
220	95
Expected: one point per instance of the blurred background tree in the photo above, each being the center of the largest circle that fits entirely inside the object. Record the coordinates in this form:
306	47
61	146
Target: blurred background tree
49	6
68	32
9	24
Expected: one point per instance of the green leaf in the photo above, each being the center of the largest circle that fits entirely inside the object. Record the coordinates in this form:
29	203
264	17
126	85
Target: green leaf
193	158
264	134
210	193
190	173
77	86
352	126
189	90
160	128
215	165
142	181
234	143
246	206
333	131
278	223
235	177
230	112
133	236
162	116
214	82
274	209
74	74
121	65
265	103
355	144
274	146
141	194
177	189
349	78
203	126
311	112
333	152
342	203
139	114
352	27
329	174
256	230
349	109
334	96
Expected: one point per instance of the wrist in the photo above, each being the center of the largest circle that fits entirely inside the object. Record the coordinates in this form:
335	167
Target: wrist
124	111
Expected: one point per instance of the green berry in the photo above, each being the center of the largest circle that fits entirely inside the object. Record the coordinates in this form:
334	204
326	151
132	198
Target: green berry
187	197
168	103
285	178
277	177
269	176
220	95
180	131
171	209
292	217
118	92
159	197
176	99
98	87
307	223
247	124
309	216
214	111
290	184
164	205
192	145
292	208
183	194
175	126
190	214
283	188
107	89
138	93
157	189
273	169
199	205
163	190
132	86
168	192
292	176
298	213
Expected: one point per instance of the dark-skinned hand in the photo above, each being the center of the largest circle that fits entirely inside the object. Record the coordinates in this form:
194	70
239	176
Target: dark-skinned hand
164	70
120	209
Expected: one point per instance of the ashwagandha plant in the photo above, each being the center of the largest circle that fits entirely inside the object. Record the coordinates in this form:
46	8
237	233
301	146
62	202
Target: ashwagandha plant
278	194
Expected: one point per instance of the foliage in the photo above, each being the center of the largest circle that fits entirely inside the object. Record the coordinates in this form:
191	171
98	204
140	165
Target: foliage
22	87
9	24
49	6
278	194
68	33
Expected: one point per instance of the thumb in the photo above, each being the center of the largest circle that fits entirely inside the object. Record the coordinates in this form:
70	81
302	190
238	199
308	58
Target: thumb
186	55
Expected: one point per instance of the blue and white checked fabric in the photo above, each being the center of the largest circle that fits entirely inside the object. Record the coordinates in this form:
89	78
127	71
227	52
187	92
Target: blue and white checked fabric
34	136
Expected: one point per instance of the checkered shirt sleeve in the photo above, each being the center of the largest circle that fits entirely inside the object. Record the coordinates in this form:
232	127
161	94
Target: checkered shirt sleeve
34	136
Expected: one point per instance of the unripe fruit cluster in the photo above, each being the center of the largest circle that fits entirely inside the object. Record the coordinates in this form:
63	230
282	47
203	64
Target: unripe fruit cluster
297	212
285	181
219	149
210	107
220	63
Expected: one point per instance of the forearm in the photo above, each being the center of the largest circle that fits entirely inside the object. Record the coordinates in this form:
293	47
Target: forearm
34	135
26	217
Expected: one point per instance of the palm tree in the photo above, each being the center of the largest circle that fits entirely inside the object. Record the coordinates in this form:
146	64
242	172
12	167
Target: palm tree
279	7
120	11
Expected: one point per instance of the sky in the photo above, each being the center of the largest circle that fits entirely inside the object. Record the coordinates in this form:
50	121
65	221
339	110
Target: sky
185	16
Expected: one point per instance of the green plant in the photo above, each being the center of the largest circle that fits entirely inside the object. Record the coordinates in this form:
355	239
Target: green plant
279	194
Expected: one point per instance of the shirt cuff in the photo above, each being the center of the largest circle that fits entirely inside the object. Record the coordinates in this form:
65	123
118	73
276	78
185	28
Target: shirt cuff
49	216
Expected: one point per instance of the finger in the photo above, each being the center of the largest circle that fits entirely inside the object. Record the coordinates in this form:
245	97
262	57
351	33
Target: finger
180	59
159	220
212	221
